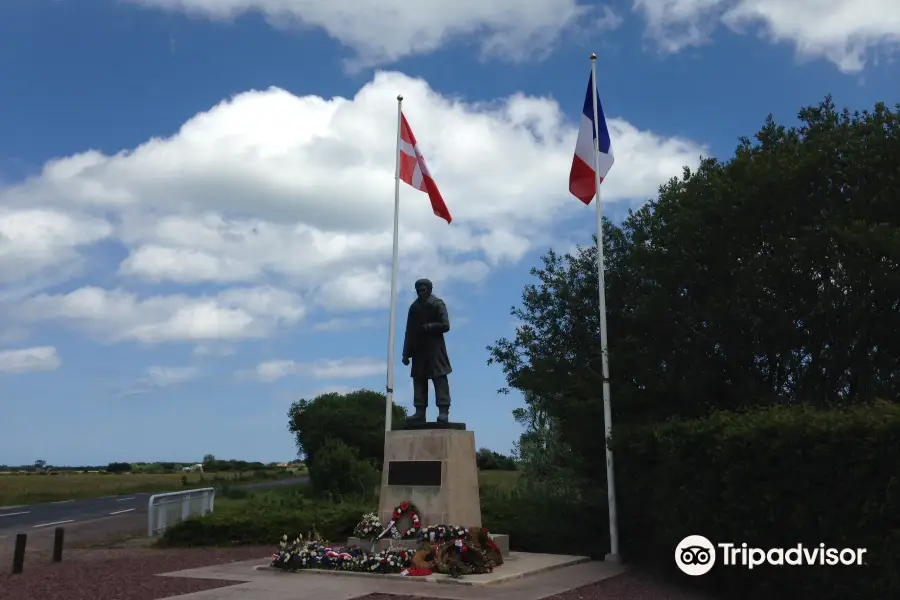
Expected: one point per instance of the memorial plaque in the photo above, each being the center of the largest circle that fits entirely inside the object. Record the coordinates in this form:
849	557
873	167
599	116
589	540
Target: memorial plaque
414	472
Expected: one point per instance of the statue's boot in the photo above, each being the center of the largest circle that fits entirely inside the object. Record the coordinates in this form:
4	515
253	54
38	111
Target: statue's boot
417	417
443	414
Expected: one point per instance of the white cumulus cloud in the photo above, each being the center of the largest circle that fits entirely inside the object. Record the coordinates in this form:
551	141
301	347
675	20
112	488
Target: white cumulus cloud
168	376
33	239
28	360
343	324
845	32
344	368
158	377
382	32
282	203
238	313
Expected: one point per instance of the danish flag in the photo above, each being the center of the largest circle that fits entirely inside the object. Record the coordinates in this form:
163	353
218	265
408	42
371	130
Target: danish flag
414	171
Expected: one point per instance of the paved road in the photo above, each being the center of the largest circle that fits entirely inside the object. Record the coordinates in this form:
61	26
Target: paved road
22	519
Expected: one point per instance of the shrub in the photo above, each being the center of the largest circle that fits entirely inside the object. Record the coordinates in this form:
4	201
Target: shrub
356	418
338	471
772	478
538	518
233	493
265	522
488	460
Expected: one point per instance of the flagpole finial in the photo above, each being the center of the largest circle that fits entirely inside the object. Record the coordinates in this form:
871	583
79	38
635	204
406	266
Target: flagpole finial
593	56
399	98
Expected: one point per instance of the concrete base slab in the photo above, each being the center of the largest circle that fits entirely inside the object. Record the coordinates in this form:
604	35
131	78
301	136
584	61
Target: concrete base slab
527	577
516	566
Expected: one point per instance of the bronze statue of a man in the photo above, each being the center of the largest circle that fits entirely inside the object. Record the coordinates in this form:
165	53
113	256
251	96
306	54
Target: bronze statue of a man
426	325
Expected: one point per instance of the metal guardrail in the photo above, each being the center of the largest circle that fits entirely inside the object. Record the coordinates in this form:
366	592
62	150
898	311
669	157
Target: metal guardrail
170	508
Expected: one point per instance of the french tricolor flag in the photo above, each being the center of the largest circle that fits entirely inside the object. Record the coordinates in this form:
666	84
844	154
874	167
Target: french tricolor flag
582	178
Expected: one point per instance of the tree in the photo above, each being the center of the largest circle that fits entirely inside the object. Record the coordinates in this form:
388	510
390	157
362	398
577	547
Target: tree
357	419
773	277
40	464
337	470
543	455
489	460
118	467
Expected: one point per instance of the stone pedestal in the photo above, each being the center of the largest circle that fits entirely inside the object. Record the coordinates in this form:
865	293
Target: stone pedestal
434	469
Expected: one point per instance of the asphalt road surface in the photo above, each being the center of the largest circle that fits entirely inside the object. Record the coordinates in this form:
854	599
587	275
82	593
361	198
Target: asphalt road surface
22	519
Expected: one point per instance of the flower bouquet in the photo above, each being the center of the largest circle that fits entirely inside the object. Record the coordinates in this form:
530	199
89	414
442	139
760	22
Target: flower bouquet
369	528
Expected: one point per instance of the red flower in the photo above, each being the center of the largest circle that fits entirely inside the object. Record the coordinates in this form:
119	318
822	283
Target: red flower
404	505
396	514
417	525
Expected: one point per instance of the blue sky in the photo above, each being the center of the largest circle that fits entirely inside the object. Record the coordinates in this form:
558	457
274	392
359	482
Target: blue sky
196	195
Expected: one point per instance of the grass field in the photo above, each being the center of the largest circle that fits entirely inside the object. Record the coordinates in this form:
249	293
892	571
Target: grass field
498	478
33	489
237	501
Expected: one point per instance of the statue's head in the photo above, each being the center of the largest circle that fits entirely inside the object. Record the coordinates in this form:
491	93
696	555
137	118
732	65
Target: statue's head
423	289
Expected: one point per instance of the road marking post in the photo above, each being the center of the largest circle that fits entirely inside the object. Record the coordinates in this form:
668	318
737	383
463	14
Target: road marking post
58	536
19	553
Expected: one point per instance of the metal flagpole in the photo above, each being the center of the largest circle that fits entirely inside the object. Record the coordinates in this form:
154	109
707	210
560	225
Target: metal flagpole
604	348
389	405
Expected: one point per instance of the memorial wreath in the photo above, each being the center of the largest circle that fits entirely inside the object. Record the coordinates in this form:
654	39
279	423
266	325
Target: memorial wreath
447	549
405	509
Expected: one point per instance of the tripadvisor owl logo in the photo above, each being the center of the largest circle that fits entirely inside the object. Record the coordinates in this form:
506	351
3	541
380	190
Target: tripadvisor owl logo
695	555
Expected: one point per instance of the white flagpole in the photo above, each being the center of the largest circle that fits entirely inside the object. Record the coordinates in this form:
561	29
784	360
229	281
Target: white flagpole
389	405
604	348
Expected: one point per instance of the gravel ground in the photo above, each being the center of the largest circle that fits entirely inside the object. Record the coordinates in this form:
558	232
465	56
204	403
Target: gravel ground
119	574
628	586
127	570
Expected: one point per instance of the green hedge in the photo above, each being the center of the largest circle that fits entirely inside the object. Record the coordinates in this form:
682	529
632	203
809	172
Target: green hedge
261	524
337	471
539	519
771	478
